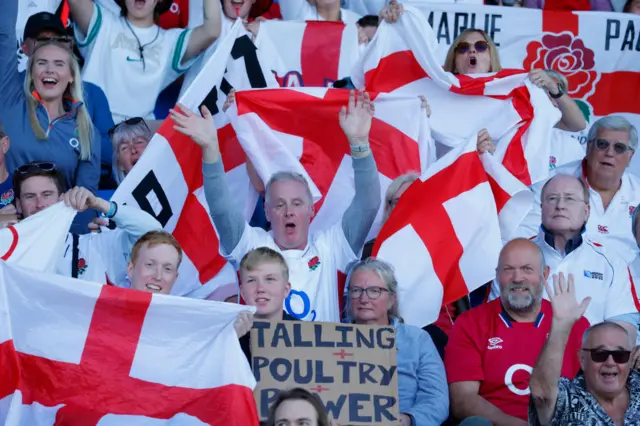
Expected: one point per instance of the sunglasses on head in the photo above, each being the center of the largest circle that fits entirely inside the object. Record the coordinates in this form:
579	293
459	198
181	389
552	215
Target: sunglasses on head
129	122
601	355
480	46
45	166
618	147
55	39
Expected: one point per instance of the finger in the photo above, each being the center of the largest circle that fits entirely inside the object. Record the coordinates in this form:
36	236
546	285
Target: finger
205	112
562	283
360	102
570	287
343	113
555	286
584	305
186	111
352	101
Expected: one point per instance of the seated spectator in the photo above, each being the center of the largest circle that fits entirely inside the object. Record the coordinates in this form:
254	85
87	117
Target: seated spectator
632	6
47	114
492	347
45	27
613	190
606	393
155	259
316	10
599	274
98	257
297	407
131	58
6	178
129	140
570	5
314	260
373	300
367	27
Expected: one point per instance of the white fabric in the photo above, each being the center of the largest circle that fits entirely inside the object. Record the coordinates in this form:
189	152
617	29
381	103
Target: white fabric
36	242
597	273
26	8
610	227
113	62
566	148
301	10
314	290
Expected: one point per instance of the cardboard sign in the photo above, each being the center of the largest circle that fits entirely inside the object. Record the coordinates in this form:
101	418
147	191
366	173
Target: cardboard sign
352	368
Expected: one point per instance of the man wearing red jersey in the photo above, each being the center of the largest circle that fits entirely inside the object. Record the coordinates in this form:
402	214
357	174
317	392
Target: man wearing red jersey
493	347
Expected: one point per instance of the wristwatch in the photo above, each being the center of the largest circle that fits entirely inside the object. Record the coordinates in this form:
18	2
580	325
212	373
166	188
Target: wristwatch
557	95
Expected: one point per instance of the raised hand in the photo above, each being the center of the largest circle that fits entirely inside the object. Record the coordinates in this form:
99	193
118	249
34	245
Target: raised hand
392	12
201	130
82	199
541	79
566	308
485	143
355	119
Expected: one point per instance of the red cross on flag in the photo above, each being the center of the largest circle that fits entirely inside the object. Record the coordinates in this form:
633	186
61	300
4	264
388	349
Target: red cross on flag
444	235
402	59
79	353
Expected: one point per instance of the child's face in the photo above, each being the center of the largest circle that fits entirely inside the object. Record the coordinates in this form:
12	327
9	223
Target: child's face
265	288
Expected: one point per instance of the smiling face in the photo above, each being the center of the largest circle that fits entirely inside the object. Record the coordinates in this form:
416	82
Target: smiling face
564	209
265	287
36	194
605	379
473	60
237	8
129	152
290	210
520	276
51	72
155	268
140	9
607	165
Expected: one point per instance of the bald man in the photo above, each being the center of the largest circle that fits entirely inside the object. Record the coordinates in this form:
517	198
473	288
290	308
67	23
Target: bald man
492	348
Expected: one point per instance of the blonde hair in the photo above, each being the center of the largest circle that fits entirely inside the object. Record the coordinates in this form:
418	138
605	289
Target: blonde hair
73	91
383	270
450	61
263	255
155	238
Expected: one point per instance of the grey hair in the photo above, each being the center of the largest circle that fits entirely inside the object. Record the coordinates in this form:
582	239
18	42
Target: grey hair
285	176
614	122
583	186
393	188
564	83
605	324
385	271
126	132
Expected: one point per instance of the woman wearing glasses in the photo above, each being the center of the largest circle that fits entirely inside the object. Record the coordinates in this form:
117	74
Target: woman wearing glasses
422	384
128	139
47	118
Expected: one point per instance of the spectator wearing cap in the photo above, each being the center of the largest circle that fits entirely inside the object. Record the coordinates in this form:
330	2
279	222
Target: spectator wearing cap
7	209
129	140
317	10
47	114
130	57
45	27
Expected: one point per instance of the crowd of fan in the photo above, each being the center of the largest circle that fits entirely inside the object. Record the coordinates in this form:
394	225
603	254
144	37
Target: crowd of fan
566	358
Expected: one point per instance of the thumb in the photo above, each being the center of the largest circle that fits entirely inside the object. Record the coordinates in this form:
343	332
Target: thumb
583	306
205	112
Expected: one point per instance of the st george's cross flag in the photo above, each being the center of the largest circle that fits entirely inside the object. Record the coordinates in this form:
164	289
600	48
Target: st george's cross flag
167	181
78	353
444	236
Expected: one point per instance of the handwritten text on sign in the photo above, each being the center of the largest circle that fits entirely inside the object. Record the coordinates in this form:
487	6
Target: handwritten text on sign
352	368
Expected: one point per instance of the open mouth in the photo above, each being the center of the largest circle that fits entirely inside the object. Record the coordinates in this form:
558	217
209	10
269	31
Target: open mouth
153	287
473	61
609	375
519	290
49	82
140	3
261	300
290	227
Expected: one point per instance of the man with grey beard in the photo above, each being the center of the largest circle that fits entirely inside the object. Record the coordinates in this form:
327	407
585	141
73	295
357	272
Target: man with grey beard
492	348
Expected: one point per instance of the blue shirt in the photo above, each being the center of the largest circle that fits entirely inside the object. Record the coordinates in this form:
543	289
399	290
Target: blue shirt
6	192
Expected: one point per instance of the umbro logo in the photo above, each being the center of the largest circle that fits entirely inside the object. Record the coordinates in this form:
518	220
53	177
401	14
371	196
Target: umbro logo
33	4
594	275
494	343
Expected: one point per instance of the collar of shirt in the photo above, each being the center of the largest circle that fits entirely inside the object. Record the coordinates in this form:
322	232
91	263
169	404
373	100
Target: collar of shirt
570	246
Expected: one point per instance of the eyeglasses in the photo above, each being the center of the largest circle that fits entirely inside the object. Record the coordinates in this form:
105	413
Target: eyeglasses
601	355
619	147
569	200
372	292
129	122
45	166
66	40
480	46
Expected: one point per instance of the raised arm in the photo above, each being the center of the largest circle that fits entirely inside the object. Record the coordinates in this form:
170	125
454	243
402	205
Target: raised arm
572	118
548	368
228	220
355	121
204	35
81	12
10	84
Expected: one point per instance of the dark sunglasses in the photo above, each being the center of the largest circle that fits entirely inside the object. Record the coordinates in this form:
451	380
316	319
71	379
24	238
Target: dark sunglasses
45	166
601	355
129	122
618	147
480	46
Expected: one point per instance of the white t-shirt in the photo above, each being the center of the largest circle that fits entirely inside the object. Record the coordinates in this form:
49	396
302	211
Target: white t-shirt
26	8
113	62
301	10
313	272
565	148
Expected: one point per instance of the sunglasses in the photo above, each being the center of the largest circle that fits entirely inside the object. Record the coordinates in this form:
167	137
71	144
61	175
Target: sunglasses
601	355
480	46
129	122
56	39
45	166
618	147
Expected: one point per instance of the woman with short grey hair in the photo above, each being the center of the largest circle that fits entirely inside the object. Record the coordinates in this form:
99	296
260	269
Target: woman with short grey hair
129	140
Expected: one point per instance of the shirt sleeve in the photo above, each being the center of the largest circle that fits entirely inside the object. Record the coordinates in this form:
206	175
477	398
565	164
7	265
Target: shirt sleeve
463	355
561	410
10	81
101	20
179	39
620	297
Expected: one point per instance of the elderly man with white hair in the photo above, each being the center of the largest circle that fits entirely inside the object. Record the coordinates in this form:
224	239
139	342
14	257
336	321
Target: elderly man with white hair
613	191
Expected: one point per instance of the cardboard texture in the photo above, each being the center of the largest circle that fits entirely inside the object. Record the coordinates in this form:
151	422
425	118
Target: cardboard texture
352	368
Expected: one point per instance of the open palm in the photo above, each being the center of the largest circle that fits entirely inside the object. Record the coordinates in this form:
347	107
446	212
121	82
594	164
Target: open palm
563	299
355	119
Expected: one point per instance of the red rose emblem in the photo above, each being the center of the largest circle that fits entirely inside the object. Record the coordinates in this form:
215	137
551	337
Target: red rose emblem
567	54
81	263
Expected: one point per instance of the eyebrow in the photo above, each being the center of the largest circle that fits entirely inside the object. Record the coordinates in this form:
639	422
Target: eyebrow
619	348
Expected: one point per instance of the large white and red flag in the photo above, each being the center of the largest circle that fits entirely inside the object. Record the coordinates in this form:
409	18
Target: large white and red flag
79	353
444	235
167	181
402	59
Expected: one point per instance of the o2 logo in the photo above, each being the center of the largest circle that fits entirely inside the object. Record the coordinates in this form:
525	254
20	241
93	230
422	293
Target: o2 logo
508	379
298	305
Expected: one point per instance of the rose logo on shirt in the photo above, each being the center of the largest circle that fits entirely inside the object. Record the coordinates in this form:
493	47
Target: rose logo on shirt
314	263
552	162
82	266
603	229
7	197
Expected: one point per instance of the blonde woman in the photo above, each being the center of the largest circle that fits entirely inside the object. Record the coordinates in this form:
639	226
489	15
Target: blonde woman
46	119
472	52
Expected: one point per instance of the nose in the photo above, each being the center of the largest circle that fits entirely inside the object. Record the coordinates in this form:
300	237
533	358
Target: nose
158	273
517	276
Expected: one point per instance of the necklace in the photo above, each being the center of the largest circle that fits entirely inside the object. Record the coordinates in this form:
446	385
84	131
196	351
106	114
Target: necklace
142	46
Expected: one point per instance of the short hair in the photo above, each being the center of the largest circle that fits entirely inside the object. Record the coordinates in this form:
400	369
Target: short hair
583	185
562	80
21	177
386	272
285	176
450	60
302	395
393	188
543	263
602	325
126	132
2	133
368	21
614	122
263	255
155	238
627	6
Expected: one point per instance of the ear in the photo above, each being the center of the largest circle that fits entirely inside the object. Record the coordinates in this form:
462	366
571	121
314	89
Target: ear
287	290
5	144
547	271
588	212
130	269
18	207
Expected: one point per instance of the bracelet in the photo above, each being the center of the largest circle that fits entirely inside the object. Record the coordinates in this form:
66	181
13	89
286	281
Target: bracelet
113	209
360	148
